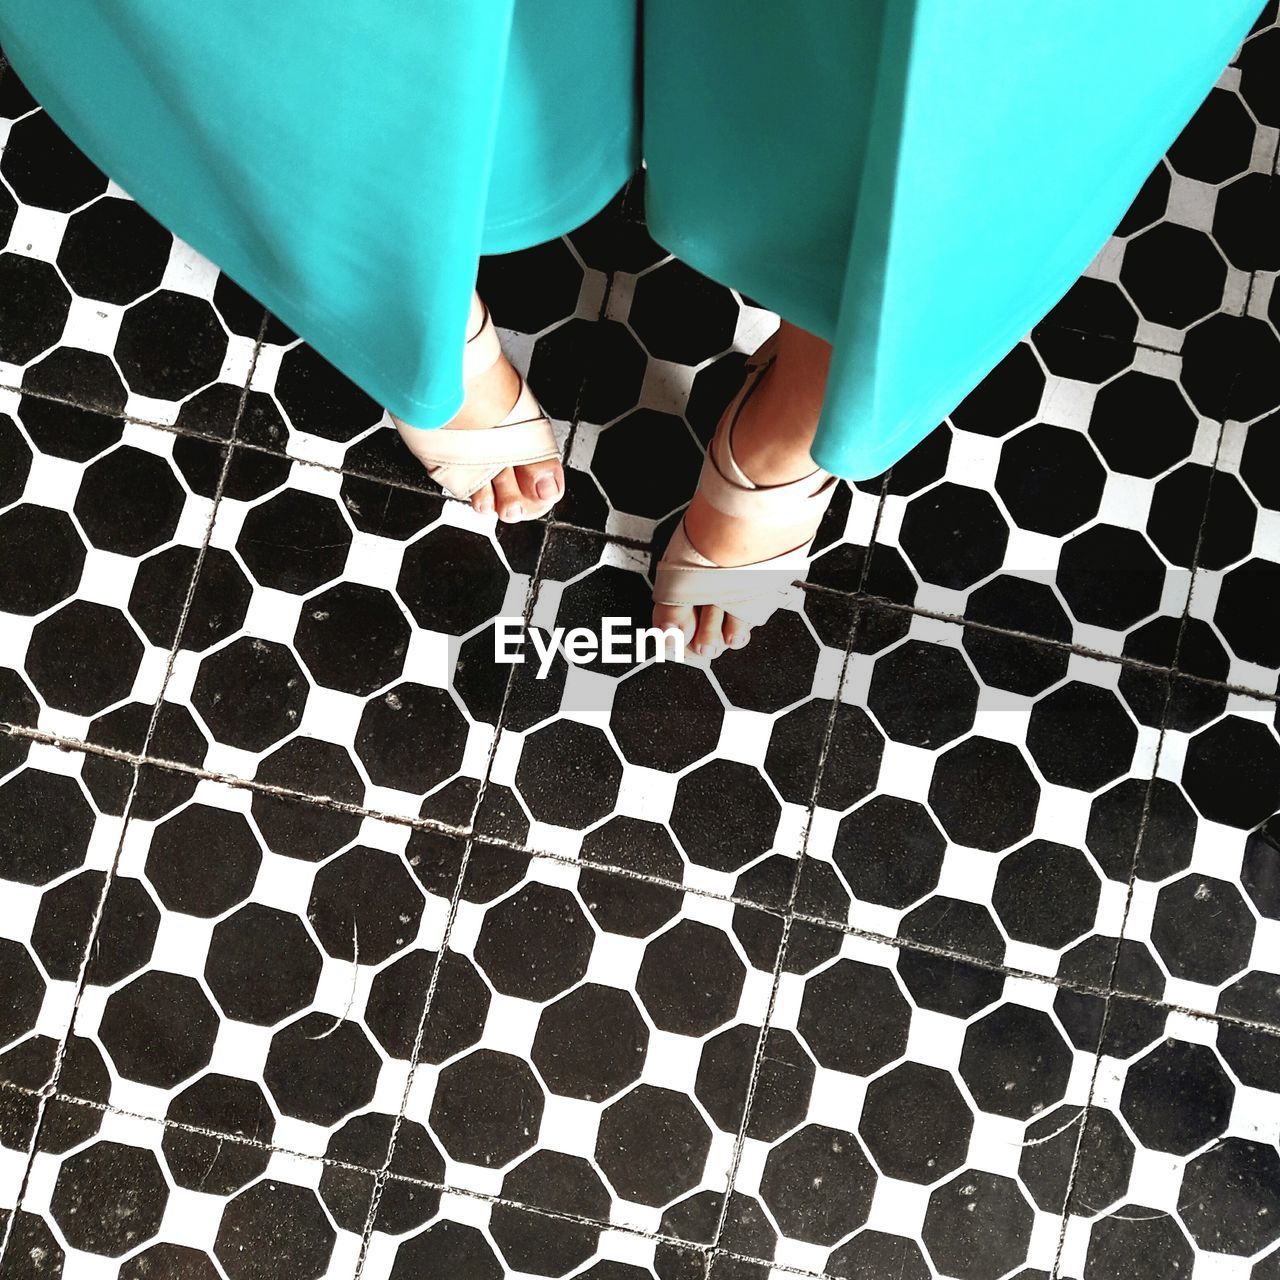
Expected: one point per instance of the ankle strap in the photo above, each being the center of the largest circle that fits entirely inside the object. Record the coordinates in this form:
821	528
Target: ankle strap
795	502
727	487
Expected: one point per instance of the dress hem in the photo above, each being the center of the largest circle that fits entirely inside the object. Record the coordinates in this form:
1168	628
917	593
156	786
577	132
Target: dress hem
569	210
354	361
771	293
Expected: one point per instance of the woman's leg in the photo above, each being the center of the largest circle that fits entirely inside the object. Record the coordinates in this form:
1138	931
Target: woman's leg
516	493
771	440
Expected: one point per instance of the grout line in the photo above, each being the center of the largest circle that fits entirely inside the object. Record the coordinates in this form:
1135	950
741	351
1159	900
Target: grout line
561	1215
617	539
204	545
390	482
1086	1111
1248	296
1084	651
398	819
646	545
1026	975
437	968
125	816
766	1024
576	420
499	842
1195	554
865	572
52	1094
64	742
1135	343
232	780
67	402
1100	1051
251	446
257	1144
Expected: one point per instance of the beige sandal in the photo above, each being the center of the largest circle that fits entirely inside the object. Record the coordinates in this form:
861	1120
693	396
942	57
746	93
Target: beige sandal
752	592
461	462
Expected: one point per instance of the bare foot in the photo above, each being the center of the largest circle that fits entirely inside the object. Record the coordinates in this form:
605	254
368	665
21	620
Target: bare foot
515	493
771	441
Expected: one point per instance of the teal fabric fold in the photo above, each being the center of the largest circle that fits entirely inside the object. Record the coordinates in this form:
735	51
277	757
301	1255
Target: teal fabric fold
917	181
920	182
348	164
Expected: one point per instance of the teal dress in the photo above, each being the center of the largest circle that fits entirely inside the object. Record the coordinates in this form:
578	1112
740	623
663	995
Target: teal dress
917	181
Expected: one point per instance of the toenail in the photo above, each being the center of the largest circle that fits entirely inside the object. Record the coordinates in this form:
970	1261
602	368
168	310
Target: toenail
546	487
485	505
514	511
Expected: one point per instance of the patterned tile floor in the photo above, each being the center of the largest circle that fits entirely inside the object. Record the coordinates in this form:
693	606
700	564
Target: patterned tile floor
936	934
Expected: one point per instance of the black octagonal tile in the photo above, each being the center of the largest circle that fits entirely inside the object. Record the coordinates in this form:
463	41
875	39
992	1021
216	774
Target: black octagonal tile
546	1042
1202	902
1000	821
911	1110
654	737
111	1204
337	656
95	576
1050	483
261	991
1193	1106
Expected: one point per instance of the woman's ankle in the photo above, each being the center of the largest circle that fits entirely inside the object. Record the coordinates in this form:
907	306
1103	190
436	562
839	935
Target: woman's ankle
491	395
774	433
775	430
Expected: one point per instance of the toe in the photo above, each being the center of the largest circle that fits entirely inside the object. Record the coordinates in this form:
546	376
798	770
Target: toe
708	640
736	632
542	484
482	499
677	618
507	497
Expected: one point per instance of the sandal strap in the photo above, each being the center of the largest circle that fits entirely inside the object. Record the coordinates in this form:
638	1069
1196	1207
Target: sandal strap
513	444
752	592
729	489
765	354
482	350
462	462
796	502
524	435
